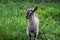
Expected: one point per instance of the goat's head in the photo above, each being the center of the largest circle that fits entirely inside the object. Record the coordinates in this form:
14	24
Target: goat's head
30	12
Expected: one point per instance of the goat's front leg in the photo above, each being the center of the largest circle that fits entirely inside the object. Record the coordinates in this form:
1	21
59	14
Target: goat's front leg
29	36
35	36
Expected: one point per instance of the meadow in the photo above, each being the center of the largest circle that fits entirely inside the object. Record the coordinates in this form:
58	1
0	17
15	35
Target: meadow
13	23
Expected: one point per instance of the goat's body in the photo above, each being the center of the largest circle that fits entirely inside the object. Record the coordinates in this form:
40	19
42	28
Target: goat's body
33	24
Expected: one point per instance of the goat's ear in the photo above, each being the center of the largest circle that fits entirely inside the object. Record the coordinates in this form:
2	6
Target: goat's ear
25	8
35	9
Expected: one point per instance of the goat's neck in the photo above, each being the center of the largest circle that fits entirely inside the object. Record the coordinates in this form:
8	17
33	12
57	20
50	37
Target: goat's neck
31	20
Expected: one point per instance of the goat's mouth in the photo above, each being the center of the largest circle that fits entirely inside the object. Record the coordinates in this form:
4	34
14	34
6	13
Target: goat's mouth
27	18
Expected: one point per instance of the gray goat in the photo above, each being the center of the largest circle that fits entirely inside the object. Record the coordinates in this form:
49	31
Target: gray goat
33	23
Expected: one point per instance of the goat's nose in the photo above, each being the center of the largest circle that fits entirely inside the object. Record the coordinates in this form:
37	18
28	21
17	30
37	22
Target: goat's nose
26	17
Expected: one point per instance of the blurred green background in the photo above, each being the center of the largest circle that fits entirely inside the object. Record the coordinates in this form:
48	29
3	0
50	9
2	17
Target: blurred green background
13	23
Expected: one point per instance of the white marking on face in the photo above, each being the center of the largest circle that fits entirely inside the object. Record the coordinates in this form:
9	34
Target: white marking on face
30	12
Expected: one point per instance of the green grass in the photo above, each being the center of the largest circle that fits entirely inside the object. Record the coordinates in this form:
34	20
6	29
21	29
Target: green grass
13	23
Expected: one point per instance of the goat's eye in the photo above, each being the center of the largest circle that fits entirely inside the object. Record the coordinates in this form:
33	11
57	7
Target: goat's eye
29	13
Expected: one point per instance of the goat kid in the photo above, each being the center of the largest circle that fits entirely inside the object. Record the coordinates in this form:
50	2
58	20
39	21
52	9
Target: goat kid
33	23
